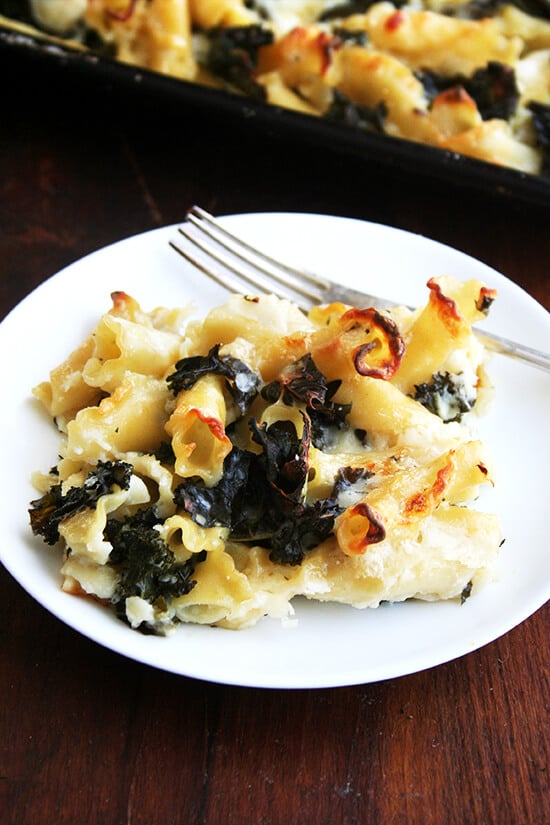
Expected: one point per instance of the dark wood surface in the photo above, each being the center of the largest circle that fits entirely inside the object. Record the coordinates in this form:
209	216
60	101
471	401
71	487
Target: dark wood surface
87	736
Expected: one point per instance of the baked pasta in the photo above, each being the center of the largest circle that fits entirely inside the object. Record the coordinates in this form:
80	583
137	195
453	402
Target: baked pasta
468	76
212	470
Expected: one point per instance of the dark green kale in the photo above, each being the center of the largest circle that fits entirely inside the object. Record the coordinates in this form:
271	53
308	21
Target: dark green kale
541	124
357	37
466	592
536	8
241	381
351	479
233	54
307	527
285	457
96	44
215	506
446	395
261	496
366	118
49	511
485	301
328	418
165	453
146	566
302	383
493	88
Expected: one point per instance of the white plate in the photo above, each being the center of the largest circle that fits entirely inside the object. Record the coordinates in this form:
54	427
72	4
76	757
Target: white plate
330	645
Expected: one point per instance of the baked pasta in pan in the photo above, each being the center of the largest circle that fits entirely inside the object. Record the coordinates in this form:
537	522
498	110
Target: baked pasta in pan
468	76
212	470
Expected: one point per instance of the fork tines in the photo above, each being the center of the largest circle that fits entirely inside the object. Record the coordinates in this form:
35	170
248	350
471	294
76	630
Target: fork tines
237	265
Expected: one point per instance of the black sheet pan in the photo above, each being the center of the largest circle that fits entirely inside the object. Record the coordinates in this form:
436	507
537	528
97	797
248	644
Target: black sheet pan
394	154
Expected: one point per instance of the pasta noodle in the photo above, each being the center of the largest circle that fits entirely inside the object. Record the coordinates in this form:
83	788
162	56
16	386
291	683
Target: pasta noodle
464	76
260	454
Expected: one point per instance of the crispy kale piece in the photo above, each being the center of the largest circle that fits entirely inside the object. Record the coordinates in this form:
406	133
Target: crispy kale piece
350	485
165	453
354	36
48	512
307	527
299	381
233	56
485	301
285	457
541	123
366	118
493	88
241	381
446	395
96	44
303	383
328	418
260	497
146	566
211	506
466	592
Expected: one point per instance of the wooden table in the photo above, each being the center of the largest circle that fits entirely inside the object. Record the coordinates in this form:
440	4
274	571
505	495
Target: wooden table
87	736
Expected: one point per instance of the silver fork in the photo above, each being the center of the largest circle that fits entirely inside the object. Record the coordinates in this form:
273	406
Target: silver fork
237	266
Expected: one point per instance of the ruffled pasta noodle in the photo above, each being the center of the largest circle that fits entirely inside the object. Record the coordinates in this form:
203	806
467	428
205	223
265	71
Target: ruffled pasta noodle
212	470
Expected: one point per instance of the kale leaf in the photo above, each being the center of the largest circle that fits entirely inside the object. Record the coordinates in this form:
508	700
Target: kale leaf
368	119
351	480
261	496
302	382
285	458
242	382
327	418
355	36
49	511
214	506
493	88
446	395
309	525
165	453
146	566
233	55
466	592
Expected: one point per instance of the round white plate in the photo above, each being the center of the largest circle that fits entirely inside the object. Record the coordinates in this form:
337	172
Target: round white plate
330	645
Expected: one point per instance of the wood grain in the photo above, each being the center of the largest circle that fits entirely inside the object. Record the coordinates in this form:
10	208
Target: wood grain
90	737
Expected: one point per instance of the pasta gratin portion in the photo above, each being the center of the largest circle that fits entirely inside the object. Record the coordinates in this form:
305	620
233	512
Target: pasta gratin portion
468	76
212	470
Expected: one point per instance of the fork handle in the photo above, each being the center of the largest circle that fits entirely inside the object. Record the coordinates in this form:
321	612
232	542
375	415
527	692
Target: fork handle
512	349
